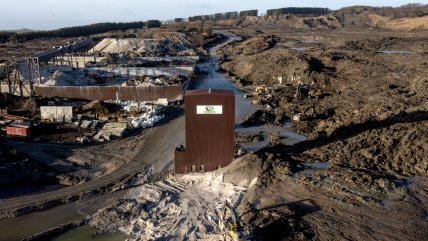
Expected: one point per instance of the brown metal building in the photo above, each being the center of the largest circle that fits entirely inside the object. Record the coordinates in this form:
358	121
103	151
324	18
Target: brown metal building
209	129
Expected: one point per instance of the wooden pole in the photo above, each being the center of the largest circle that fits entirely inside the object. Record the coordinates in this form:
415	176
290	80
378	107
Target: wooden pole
20	81
9	81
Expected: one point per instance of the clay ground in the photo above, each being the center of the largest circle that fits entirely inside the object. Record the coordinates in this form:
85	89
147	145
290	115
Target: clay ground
367	135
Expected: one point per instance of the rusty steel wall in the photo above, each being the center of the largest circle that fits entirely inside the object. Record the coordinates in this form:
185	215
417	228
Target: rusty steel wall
126	93
209	137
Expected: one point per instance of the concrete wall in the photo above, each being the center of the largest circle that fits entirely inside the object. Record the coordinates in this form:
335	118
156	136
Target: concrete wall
150	71
57	113
4	88
133	93
193	59
77	62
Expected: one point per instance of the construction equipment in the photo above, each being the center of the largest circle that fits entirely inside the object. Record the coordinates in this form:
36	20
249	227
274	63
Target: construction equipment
233	228
98	78
262	89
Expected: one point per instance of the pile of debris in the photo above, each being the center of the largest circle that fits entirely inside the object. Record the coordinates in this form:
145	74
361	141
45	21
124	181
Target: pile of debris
142	47
155	80
146	120
61	78
112	130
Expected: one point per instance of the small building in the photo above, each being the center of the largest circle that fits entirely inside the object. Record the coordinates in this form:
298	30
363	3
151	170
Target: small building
209	130
19	129
57	113
248	13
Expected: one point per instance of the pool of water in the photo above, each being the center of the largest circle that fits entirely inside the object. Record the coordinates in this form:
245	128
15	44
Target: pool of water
298	49
21	227
316	165
395	52
86	233
23	190
217	80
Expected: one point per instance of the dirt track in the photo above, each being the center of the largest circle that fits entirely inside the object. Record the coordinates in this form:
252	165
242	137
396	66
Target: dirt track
168	136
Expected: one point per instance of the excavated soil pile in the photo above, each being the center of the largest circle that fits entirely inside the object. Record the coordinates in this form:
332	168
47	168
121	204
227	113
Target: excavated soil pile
362	174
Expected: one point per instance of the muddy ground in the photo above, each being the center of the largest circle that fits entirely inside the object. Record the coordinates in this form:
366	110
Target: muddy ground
362	173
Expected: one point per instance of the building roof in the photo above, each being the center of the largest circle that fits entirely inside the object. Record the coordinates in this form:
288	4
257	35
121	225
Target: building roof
210	91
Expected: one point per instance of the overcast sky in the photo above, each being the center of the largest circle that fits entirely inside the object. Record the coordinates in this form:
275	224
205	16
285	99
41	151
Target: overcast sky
51	14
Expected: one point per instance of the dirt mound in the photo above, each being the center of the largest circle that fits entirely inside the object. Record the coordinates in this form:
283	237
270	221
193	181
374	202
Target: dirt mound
148	47
402	23
256	44
277	62
22	106
367	149
101	108
291	21
59	78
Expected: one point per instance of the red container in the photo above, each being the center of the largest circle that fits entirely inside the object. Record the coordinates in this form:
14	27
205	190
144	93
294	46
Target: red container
18	131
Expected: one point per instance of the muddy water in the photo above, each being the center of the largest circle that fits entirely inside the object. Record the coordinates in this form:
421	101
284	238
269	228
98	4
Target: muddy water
217	80
287	136
23	190
87	233
24	226
395	52
243	106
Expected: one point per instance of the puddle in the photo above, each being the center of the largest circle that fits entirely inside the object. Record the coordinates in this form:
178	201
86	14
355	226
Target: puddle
309	41
303	173
426	214
395	52
313	166
85	232
316	165
387	204
25	190
401	182
298	49
287	137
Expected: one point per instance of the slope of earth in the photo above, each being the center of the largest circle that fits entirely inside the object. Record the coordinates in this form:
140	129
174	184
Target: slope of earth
362	174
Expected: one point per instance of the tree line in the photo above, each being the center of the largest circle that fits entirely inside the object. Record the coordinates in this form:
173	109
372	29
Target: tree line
412	10
77	31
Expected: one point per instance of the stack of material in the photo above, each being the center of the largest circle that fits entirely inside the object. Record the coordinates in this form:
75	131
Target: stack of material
86	124
146	120
111	130
142	47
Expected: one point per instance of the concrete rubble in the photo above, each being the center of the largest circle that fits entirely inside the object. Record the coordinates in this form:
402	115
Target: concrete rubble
111	130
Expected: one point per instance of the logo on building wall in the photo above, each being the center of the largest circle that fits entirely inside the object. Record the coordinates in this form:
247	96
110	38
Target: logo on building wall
209	109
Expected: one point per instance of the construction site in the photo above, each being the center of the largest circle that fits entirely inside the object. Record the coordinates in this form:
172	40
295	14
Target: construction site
294	124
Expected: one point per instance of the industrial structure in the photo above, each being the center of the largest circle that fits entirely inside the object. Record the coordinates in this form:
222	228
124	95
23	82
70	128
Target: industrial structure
209	130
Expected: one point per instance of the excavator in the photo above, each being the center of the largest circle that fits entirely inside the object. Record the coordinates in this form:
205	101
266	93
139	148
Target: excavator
230	218
262	89
97	78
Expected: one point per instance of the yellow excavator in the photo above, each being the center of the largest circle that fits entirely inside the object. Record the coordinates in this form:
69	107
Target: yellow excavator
262	89
233	227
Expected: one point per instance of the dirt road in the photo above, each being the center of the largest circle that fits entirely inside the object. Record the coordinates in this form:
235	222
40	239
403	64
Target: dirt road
166	136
